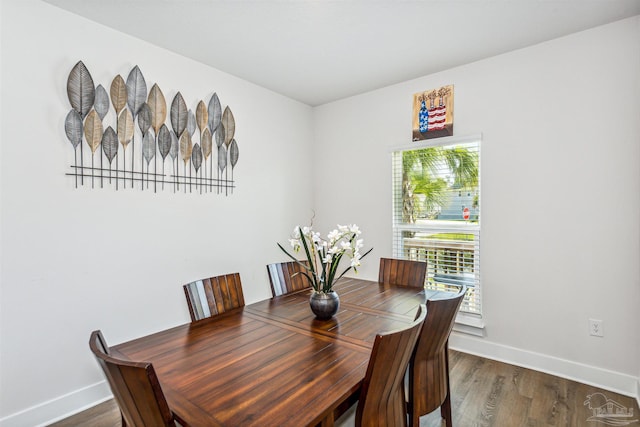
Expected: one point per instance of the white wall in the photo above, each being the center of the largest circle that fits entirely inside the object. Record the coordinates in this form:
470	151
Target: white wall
560	194
75	260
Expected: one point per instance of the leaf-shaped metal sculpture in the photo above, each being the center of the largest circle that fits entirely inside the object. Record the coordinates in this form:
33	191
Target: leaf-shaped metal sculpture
110	149
196	157
220	145
125	128
222	163
233	159
229	124
201	116
125	136
222	158
158	106
196	161
178	115
185	147
185	152
93	135
207	143
110	143
173	152
148	148
93	130
101	104
144	118
164	141
214	113
148	152
136	91
233	153
220	136
73	127
80	89
118	93
164	146
191	123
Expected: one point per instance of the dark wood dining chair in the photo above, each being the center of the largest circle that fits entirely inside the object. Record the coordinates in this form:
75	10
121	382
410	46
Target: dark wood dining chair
135	388
382	397
213	296
402	272
429	366
286	277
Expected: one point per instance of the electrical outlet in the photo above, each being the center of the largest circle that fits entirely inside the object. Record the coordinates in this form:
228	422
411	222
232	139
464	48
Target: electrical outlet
596	328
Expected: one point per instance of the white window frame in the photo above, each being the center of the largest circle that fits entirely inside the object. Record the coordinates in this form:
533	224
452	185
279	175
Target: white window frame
468	322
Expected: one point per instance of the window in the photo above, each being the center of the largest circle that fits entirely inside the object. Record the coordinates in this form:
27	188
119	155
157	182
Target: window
436	213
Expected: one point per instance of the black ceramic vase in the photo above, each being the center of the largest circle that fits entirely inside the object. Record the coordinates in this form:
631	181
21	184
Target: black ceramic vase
324	305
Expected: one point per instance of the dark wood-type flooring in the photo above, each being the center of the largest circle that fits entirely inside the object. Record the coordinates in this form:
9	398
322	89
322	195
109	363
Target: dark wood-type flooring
485	393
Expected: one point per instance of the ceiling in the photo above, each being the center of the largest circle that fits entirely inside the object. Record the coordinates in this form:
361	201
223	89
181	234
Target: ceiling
318	51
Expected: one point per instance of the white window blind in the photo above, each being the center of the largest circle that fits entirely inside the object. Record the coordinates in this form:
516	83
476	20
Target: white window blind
436	213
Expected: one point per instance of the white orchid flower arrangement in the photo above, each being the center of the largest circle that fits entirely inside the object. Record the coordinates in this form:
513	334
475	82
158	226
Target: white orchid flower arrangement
324	255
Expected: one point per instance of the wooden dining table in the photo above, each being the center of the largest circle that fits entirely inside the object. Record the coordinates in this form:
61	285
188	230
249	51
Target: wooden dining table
272	363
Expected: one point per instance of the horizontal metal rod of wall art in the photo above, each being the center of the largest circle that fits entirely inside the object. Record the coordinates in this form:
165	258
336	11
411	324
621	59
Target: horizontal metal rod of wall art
119	178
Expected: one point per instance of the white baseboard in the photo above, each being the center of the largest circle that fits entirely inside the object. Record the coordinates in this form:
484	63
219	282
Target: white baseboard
617	382
59	408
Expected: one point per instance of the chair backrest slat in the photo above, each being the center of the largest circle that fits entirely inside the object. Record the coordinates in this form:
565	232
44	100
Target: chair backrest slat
135	387
286	277
382	398
212	296
402	272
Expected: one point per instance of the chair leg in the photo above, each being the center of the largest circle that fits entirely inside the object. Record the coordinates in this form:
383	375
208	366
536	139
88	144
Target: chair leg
414	419
445	410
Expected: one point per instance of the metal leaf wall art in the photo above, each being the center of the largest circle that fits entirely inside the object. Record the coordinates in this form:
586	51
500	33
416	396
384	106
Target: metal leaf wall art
148	152
178	114
196	161
164	146
229	124
73	128
222	158
185	152
81	93
136	96
101	102
207	143
214	112
136	90
220	144
165	135
110	147
191	123
157	107
233	157
118	92
144	118
173	153
93	135
202	117
80	89
144	123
